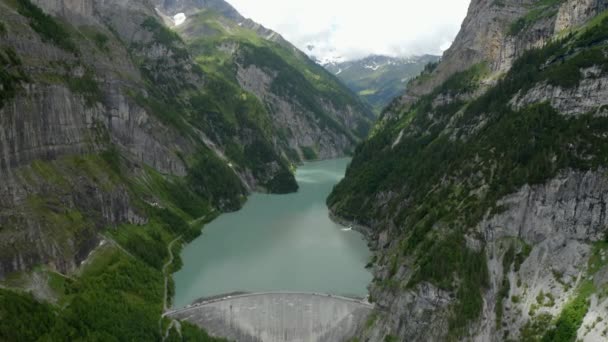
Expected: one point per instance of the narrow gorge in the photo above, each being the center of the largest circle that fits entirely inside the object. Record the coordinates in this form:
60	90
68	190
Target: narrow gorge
175	171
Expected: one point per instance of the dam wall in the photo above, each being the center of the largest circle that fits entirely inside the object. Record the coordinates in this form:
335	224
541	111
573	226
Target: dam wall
274	317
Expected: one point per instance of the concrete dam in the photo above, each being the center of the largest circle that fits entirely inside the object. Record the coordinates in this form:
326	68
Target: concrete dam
274	317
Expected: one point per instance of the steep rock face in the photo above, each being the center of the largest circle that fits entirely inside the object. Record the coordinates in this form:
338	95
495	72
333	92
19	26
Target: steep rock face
534	29
291	117
312	114
575	13
66	129
553	227
490	33
67	7
484	197
47	121
480	39
589	96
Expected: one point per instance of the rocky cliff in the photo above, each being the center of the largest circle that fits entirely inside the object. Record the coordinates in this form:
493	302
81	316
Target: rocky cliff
482	189
498	32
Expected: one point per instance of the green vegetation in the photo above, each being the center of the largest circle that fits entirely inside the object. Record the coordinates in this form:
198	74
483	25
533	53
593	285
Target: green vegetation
536	327
46	26
174	193
463	82
594	32
226	113
11	75
166	94
101	41
291	83
117	296
96	36
515	255
367	92
223	110
426	73
113	300
447	257
426	149
85	86
296	76
2	29
525	158
211	178
192	333
378	86
540	10
566	325
545	299
14	308
505	287
167	111
309	153
282	183
166	37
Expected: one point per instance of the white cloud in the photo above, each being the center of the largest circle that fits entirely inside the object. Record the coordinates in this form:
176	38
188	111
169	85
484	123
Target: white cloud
355	28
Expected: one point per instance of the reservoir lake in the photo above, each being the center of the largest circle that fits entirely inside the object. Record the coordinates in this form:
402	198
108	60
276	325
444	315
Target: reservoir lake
278	243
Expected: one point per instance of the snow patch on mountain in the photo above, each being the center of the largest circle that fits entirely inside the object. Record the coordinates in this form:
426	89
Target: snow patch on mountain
372	67
179	18
329	60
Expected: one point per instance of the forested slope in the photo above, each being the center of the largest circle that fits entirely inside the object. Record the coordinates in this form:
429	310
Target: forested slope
483	189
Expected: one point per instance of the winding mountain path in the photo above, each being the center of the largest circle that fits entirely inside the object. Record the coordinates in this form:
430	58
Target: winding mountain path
165	333
167	264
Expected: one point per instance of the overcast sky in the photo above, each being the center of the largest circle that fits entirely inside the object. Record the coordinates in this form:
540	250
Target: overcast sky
356	28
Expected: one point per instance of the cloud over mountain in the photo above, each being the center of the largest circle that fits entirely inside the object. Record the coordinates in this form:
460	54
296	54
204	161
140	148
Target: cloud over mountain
354	29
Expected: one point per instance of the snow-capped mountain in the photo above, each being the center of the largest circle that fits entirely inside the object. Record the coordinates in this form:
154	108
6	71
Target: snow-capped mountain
377	79
323	56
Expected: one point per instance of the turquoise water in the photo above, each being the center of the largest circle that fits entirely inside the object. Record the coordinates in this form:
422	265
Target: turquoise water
278	243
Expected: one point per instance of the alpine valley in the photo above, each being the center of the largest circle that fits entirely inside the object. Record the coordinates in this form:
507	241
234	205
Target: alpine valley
380	79
479	179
